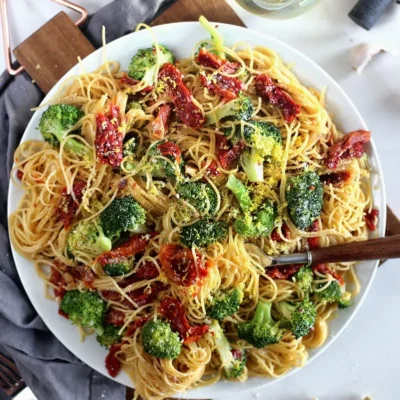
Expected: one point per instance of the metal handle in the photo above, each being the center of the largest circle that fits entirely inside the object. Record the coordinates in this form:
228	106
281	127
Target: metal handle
296	258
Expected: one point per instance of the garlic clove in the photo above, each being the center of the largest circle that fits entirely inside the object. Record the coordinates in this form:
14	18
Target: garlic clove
362	54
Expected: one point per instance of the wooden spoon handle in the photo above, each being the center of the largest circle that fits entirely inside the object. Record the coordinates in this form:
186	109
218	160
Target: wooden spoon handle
375	249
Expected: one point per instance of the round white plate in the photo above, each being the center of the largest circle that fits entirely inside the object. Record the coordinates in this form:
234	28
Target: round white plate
181	38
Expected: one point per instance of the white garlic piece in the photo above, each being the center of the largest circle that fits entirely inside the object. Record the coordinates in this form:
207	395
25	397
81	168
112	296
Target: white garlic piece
362	54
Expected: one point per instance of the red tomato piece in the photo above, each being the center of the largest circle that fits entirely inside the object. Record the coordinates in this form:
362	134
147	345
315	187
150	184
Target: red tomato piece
20	174
227	87
283	272
352	145
335	178
173	311
186	110
228	155
210	60
160	125
180	266
286	233
313	242
70	202
324	269
113	365
170	149
136	325
212	170
115	317
136	244
371	218
266	88
108	141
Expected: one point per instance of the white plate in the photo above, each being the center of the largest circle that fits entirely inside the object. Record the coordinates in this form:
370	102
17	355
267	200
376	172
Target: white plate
181	38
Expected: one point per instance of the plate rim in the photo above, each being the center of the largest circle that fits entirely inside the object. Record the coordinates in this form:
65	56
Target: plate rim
264	381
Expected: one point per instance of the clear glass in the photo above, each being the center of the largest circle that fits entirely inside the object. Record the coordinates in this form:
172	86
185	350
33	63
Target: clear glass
277	8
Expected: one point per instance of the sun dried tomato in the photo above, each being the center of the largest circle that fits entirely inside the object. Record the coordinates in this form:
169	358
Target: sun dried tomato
160	125
284	271
266	88
371	218
226	86
325	270
313	242
113	365
207	59
115	317
228	155
186	110
170	149
351	145
335	178
70	202
108	141
180	266
173	311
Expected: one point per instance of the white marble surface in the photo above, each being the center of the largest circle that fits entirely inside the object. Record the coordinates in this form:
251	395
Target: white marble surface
365	360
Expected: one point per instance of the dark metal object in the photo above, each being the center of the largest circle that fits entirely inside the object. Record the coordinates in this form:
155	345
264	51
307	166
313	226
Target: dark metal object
10	380
367	12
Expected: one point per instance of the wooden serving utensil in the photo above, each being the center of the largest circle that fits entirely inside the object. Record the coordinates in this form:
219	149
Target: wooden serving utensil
374	249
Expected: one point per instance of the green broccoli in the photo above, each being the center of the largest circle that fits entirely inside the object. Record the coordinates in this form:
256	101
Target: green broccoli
225	303
345	300
88	238
130	147
266	145
123	214
160	341
216	38
143	66
56	121
233	361
110	336
239	189
299	317
133	105
122	267
333	294
304	277
161	168
258	223
199	195
261	330
203	233
304	196
239	109
85	309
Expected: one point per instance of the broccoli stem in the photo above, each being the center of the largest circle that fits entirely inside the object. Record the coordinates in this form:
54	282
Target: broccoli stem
73	146
240	191
253	165
263	313
216	37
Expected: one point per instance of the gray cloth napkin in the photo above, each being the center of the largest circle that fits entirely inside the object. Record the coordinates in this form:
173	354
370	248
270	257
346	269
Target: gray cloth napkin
47	367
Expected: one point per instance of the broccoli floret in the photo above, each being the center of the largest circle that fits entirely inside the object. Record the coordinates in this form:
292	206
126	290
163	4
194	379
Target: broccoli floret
345	300
304	277
334	294
110	336
299	317
233	361
56	121
261	330
304	196
239	109
143	63
88	238
123	214
199	195
240	191
84	308
266	145
133	105
216	38
225	303
129	148
161	168
203	233
258	223
119	268
160	341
